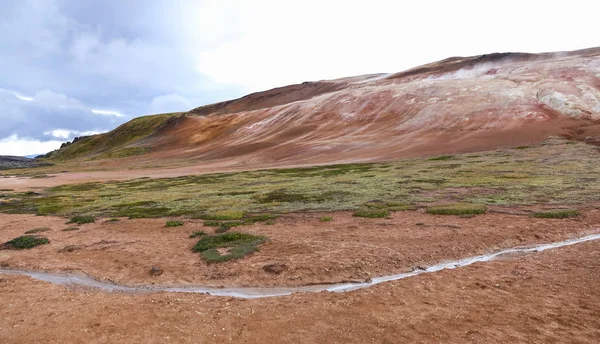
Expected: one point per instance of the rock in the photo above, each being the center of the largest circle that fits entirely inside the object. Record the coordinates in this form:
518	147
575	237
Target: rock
156	271
70	248
275	268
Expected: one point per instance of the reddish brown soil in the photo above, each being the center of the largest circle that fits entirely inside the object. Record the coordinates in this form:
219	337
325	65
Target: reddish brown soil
346	248
548	297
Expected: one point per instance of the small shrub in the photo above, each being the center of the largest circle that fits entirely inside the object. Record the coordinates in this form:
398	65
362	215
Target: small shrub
237	245
25	242
457	209
326	219
38	230
197	234
557	214
372	213
173	223
70	229
82	219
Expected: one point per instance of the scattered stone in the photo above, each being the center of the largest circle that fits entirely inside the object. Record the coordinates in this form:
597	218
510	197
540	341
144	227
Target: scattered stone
275	268
70	248
156	271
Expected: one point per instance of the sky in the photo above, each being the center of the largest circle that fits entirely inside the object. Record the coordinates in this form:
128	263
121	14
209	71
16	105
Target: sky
78	67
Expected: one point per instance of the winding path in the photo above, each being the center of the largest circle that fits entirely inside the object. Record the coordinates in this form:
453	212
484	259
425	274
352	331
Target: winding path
252	293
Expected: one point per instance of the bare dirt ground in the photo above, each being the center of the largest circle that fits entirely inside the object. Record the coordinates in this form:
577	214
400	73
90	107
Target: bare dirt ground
312	251
547	297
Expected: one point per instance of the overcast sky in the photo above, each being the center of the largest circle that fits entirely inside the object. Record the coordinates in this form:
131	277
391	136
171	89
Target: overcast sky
76	67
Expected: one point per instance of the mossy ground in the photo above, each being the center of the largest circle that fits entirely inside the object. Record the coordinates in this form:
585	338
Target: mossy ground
554	172
24	242
236	245
457	209
557	214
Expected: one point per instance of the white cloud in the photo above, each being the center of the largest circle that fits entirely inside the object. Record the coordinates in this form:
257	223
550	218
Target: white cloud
107	113
290	42
59	133
169	103
66	133
14	145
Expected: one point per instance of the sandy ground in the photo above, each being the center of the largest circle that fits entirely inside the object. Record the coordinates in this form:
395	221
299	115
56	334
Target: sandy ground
312	251
548	297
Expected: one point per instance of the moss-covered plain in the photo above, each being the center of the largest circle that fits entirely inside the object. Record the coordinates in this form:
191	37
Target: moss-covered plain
553	172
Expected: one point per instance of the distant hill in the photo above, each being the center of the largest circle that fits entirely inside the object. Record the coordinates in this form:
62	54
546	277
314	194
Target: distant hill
461	104
10	162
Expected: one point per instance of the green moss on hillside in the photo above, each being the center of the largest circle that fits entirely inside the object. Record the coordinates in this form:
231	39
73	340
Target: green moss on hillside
121	142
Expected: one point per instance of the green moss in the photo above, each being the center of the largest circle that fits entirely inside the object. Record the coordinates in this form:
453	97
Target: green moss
25	242
553	173
457	209
82	219
221	215
557	214
197	234
116	143
237	245
38	230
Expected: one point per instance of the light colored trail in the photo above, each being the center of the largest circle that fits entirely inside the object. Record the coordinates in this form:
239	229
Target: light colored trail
253	293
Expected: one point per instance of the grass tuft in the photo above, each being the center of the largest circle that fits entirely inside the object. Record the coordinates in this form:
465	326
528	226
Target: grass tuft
25	242
222	215
227	246
82	219
197	234
173	223
326	219
70	229
557	214
457	209
38	230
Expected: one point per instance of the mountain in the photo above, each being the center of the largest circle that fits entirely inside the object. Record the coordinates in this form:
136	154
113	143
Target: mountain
10	162
460	104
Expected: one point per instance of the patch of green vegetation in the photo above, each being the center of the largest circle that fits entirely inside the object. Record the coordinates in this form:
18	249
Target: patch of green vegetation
557	214
6	190
113	220
522	147
173	223
123	153
221	215
197	234
372	213
82	219
25	242
69	229
38	230
457	209
117	143
227	246
552	173
326	219
441	158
